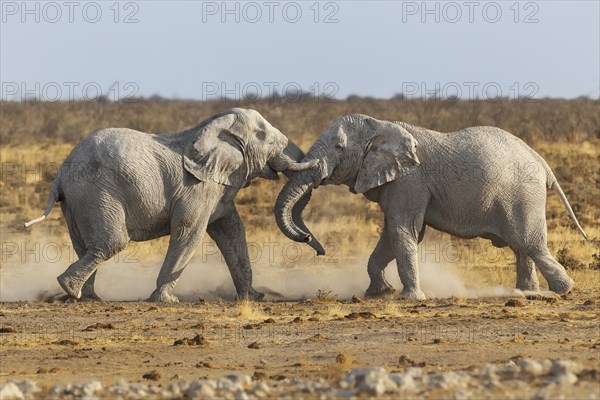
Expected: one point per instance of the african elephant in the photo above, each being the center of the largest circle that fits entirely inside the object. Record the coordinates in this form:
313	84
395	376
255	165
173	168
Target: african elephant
476	182
121	185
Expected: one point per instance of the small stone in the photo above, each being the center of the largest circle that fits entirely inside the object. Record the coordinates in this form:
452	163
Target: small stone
254	345
341	358
66	342
438	340
259	376
405	360
514	303
152	376
269	321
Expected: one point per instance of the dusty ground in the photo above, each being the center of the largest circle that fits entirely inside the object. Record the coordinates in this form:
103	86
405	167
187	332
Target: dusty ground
78	342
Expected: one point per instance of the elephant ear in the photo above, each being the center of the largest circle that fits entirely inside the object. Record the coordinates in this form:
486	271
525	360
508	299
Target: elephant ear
217	154
390	153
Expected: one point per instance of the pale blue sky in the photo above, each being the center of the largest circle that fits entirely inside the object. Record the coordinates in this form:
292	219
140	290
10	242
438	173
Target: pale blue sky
377	48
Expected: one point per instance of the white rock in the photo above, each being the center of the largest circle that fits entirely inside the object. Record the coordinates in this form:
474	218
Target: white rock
120	388
28	387
263	386
57	390
174	389
374	380
10	391
449	380
241	395
560	367
490	378
346	383
345	394
567	378
531	367
200	390
242	379
91	388
404	382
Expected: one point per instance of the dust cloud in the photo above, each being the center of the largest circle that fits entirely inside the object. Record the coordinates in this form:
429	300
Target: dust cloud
210	280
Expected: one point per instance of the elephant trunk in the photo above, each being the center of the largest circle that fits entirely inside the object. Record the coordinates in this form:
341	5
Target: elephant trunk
292	200
286	161
297	218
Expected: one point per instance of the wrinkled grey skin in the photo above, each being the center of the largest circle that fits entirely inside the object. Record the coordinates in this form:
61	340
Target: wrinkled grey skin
477	182
120	185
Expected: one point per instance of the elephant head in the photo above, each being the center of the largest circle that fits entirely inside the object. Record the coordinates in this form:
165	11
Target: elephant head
237	145
358	151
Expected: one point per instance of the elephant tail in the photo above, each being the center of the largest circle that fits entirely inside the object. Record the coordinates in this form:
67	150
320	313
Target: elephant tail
53	197
554	185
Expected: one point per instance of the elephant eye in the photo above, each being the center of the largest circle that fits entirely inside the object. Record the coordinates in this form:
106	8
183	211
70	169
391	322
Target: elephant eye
261	135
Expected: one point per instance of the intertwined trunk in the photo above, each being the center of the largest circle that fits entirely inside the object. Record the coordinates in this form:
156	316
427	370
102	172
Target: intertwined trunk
292	200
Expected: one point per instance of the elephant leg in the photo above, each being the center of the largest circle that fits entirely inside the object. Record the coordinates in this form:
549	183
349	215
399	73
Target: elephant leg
182	246
230	236
378	261
78	273
87	292
403	237
554	273
526	277
188	227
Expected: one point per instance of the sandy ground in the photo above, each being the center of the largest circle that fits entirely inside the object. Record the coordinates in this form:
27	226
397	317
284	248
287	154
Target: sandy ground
56	342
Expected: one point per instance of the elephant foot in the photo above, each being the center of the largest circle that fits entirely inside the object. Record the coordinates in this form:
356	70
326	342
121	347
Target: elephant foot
413	294
161	296
88	293
529	286
70	285
562	285
253	295
90	297
540	295
387	292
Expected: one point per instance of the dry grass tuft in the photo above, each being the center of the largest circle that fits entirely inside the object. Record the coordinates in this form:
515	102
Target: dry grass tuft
326	296
247	310
392	309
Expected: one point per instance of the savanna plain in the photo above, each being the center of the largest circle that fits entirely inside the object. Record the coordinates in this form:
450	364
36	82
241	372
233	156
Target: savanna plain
314	336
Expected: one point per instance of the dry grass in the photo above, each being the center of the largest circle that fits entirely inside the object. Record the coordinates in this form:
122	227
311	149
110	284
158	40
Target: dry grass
336	310
392	309
249	311
37	137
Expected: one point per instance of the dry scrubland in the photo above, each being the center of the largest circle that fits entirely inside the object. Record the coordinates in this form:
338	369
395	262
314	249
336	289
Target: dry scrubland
441	348
38	136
